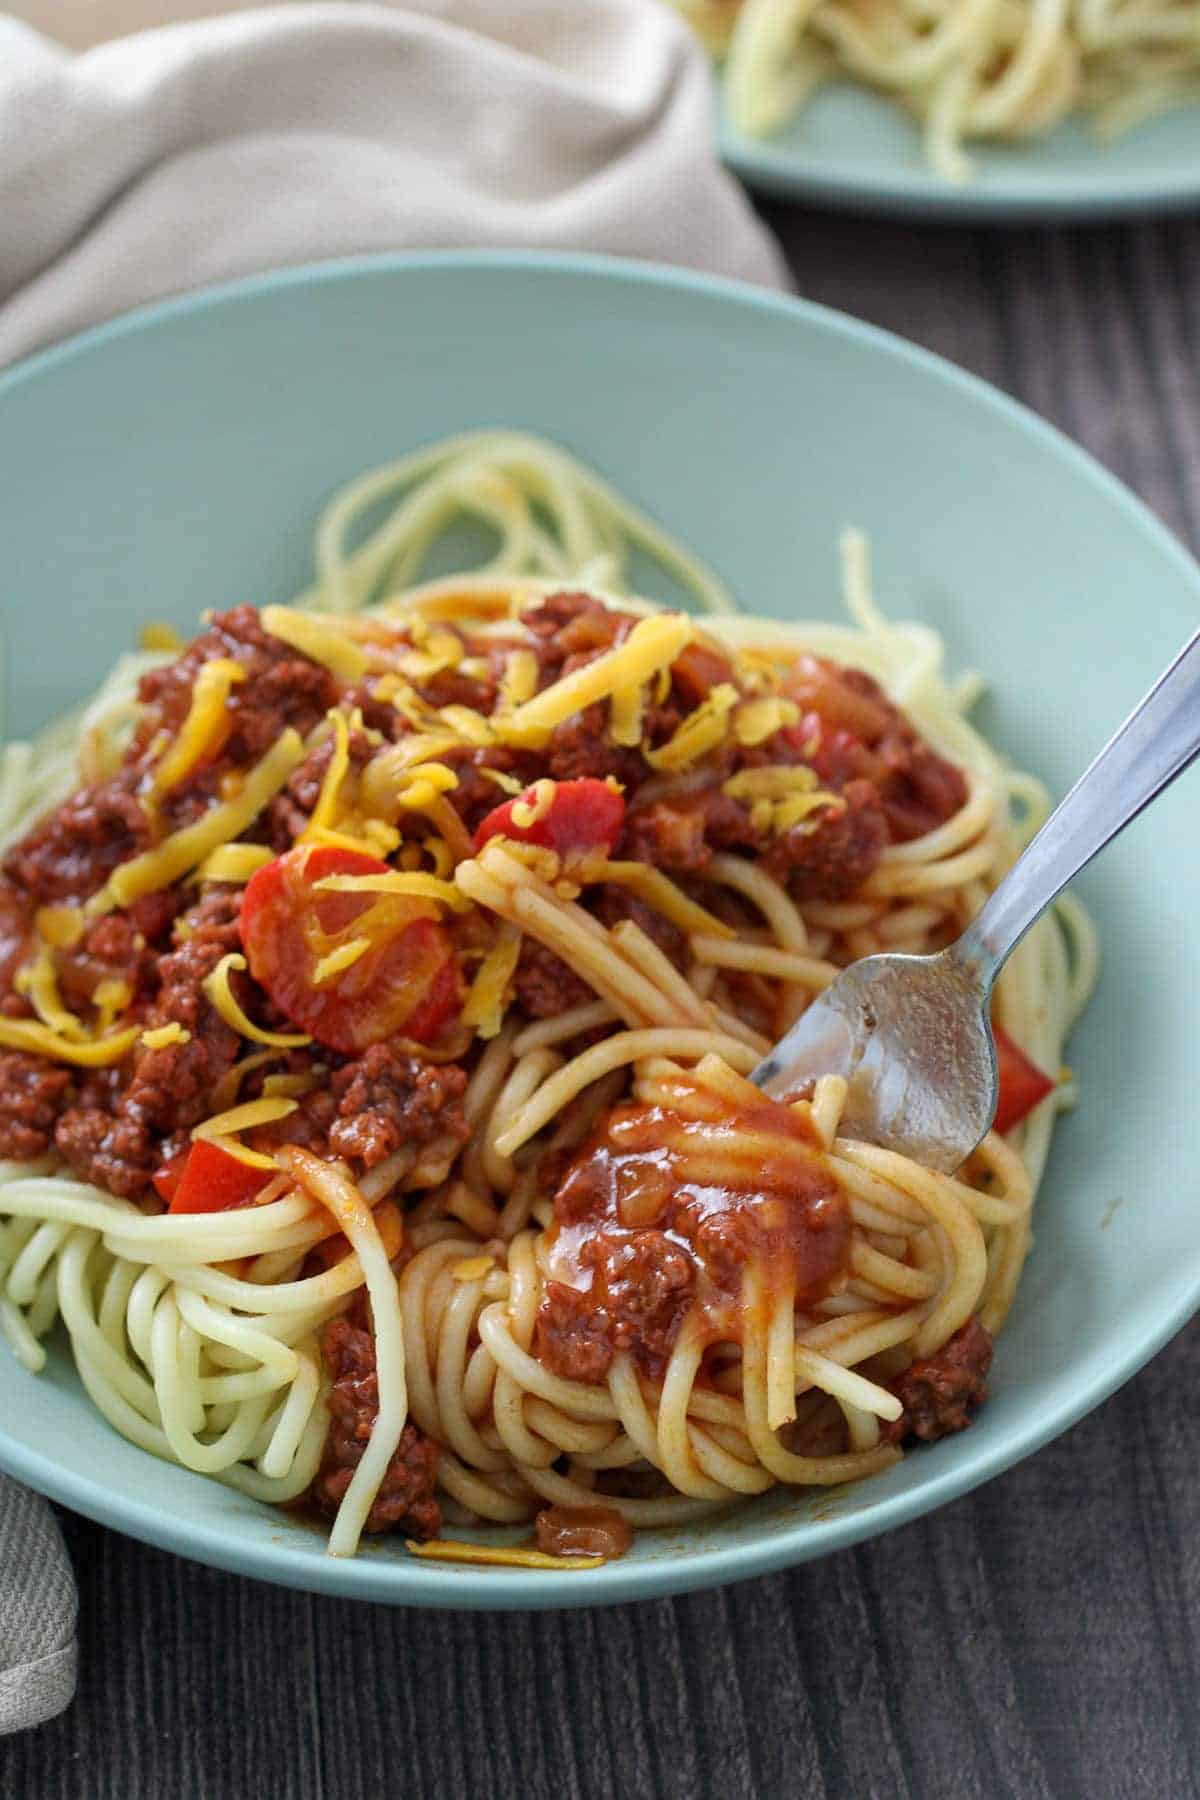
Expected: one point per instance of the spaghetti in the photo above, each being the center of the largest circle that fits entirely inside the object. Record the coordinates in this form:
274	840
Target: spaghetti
375	1022
968	69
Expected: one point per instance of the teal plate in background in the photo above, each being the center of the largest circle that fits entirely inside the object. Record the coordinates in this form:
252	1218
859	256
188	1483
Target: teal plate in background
853	148
176	460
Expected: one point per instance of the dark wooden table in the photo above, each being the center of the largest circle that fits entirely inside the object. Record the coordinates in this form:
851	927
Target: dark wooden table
1039	1638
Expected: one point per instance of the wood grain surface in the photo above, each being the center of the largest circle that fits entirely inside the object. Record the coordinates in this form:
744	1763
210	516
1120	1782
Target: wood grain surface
1038	1638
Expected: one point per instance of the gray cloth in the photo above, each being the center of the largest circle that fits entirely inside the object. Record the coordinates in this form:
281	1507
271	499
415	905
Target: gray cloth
188	155
184	156
37	1612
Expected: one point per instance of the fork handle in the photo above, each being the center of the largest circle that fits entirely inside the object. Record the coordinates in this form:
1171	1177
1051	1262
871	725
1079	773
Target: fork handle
1155	744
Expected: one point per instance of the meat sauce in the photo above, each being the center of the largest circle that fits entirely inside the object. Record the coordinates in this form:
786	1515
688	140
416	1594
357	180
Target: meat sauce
663	1210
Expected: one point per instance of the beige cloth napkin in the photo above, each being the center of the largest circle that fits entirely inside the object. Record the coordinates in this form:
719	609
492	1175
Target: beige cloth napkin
184	156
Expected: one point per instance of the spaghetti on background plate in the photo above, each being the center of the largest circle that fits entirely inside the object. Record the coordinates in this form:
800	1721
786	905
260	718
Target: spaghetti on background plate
379	979
968	70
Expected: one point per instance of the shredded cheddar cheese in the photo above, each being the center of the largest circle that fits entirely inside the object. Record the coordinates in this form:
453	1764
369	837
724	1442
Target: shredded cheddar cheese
339	764
756	720
235	863
205	724
38	982
651	647
221	996
344	957
625	717
320	640
699	733
508	784
417	885
520	680
156	634
528	812
455	1550
164	1035
488	997
59	926
94	1053
267	1111
184	849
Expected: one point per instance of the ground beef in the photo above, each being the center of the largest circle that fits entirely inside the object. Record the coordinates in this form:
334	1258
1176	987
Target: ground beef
645	1283
121	946
581	747
72	851
856	733
282	688
476	794
32	1094
832	861
112	1134
642	1286
668	834
543	984
377	715
827	858
572	1337
16	932
573	627
386	1099
940	1392
405	1499
101	1145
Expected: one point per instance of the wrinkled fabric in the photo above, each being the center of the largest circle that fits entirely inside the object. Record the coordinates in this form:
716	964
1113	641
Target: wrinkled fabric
37	1612
180	157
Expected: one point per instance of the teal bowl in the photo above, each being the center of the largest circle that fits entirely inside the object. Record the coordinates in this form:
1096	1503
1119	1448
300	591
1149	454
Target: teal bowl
850	147
176	459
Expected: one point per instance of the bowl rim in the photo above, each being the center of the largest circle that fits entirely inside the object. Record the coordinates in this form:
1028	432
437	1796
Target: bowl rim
407	1581
1035	193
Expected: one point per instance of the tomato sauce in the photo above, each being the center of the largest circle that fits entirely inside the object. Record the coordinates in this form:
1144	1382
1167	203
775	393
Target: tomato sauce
663	1210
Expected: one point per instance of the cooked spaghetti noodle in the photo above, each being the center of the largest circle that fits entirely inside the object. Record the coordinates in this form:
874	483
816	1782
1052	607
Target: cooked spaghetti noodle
968	69
375	1022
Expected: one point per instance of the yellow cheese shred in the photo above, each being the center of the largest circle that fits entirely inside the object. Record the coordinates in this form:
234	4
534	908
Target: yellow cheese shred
38	982
344	957
757	720
339	763
699	733
244	1118
418	885
527	812
60	926
95	1053
163	1035
201	730
156	634
520	680
234	862
321	641
485	1004
771	783
220	994
651	646
184	849
625	718
455	1551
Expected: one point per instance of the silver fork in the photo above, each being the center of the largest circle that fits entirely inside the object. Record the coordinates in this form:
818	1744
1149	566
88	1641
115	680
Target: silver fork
912	1034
